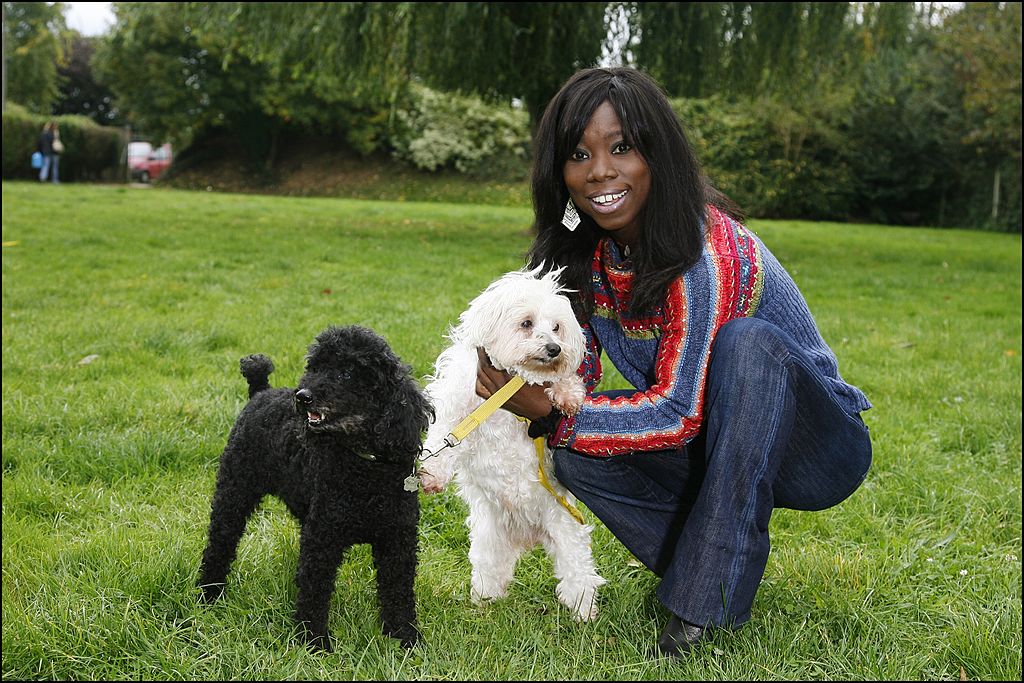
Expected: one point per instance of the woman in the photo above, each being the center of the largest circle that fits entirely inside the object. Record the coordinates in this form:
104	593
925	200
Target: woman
738	405
50	146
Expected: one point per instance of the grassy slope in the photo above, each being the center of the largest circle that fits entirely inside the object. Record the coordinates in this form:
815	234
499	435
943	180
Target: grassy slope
108	465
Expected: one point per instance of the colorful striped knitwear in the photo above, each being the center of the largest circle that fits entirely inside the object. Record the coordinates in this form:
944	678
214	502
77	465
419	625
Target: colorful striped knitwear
665	355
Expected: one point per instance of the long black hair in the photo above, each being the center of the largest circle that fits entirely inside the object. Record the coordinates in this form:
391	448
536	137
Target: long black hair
671	239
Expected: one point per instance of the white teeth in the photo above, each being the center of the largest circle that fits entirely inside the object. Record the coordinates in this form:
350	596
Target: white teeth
609	198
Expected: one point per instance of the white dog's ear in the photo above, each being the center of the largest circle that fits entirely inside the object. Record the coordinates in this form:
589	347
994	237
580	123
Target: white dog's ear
576	350
574	343
483	318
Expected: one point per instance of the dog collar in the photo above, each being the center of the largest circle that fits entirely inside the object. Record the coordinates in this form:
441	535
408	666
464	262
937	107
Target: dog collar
410	483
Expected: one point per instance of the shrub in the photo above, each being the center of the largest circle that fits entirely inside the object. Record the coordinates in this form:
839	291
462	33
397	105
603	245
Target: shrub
92	152
449	131
20	135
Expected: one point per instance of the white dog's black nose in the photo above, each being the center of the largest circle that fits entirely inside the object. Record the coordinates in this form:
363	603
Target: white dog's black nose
304	396
553	350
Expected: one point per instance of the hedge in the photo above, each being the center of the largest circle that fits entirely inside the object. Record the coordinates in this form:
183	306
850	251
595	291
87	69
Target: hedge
91	152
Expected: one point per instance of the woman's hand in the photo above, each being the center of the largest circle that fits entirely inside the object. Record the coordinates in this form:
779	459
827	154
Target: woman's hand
529	402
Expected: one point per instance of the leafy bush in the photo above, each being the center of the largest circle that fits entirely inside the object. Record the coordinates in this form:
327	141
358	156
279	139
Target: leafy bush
771	159
449	131
92	152
20	133
364	129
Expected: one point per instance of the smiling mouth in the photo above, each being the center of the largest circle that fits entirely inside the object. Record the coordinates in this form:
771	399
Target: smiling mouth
315	418
609	199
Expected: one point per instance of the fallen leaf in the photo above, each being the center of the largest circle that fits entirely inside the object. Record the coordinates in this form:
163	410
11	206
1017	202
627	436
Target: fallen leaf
13	243
1010	352
963	674
326	291
88	359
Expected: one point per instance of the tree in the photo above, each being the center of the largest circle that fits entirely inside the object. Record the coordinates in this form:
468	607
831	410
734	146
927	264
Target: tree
168	84
326	52
367	52
80	92
697	49
33	49
983	43
338	68
898	135
506	50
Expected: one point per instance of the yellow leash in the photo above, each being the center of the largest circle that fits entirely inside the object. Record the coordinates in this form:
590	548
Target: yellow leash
485	410
539	443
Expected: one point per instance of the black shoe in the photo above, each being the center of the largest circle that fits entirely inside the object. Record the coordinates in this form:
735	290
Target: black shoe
679	637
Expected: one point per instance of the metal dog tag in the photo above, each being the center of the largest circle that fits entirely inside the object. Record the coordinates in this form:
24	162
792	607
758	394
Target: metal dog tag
411	483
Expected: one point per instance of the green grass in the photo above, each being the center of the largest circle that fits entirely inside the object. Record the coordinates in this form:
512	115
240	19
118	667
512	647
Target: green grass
108	465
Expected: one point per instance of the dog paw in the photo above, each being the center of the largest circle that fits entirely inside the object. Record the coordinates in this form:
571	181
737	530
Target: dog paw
210	592
408	635
567	395
485	594
585	615
320	643
430	483
582	600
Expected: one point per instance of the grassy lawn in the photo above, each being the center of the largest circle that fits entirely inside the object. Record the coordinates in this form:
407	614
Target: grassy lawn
125	312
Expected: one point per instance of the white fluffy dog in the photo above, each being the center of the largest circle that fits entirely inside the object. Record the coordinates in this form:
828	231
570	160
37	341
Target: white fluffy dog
527	327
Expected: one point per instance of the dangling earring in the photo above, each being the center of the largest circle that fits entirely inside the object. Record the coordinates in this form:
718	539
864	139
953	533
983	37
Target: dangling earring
570	218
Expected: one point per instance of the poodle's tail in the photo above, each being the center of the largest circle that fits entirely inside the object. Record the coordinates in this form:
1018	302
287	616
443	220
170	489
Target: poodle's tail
256	369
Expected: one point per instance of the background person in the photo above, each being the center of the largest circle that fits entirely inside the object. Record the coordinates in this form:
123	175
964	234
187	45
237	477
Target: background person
738	406
51	147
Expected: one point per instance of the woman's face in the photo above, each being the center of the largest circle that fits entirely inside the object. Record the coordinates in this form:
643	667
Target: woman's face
607	178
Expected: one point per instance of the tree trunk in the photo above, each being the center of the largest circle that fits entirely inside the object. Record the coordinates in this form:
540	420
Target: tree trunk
4	95
275	134
995	195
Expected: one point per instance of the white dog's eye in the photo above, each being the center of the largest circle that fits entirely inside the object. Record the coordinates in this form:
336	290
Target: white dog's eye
555	328
526	324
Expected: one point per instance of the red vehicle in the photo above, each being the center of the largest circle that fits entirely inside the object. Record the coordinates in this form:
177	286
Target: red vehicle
148	163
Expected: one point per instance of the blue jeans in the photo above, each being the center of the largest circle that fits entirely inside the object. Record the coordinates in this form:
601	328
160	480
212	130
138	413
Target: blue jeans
773	436
51	166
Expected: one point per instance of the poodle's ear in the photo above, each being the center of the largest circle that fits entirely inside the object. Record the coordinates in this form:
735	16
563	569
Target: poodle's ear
405	418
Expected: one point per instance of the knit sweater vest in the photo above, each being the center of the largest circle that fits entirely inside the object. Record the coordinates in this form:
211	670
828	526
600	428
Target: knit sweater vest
665	355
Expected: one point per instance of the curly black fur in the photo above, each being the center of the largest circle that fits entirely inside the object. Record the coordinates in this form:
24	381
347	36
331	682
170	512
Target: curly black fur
336	450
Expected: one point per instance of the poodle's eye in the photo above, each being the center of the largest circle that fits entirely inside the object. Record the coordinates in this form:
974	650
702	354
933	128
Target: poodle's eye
344	375
555	328
526	324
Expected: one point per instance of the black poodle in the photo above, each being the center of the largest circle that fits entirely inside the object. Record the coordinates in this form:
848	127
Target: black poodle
340	451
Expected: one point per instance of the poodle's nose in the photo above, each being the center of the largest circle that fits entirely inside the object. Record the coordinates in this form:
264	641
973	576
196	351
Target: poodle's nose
553	350
304	396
